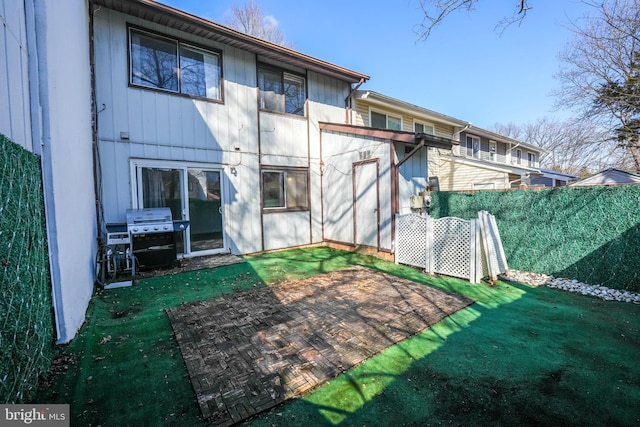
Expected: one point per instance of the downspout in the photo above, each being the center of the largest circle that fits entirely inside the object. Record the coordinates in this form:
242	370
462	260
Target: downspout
511	151
97	167
455	134
347	102
35	11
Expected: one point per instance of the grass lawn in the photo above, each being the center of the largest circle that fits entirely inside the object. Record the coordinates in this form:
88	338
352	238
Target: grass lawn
519	356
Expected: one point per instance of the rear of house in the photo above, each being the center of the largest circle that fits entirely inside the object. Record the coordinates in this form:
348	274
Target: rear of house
230	142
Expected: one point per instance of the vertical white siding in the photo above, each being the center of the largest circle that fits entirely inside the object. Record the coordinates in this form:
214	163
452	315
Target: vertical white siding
64	105
326	104
169	127
15	119
283	230
283	140
172	128
340	151
412	176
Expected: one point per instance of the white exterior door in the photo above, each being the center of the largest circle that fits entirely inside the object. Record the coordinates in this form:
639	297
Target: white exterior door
367	204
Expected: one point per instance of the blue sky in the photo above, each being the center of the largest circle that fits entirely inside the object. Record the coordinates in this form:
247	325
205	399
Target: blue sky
466	69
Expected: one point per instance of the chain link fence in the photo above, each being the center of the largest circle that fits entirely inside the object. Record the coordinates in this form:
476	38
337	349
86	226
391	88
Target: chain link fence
26	322
588	234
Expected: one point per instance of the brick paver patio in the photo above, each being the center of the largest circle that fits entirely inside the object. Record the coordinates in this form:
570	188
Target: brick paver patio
250	351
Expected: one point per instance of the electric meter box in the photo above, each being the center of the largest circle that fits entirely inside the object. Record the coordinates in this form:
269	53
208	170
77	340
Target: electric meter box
416	202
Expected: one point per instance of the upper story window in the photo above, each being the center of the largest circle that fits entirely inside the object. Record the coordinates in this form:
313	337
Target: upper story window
385	121
493	150
423	128
532	159
519	156
472	147
281	91
170	65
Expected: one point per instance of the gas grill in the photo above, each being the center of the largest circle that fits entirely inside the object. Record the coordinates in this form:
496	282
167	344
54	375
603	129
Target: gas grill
153	242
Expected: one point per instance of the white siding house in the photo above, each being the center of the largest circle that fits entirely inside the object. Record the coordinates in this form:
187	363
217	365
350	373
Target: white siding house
221	142
478	159
368	176
45	106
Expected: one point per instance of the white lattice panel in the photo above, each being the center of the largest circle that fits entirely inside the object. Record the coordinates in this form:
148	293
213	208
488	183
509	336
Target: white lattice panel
452	247
411	240
449	246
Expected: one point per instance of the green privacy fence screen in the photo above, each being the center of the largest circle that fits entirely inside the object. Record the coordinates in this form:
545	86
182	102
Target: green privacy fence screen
26	323
588	234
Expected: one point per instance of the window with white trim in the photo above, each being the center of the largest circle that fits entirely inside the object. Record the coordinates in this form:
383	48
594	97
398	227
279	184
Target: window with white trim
419	127
519	156
285	189
162	63
493	150
531	157
385	121
281	91
472	147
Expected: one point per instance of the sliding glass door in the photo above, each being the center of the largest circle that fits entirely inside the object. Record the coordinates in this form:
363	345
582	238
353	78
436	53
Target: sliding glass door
205	210
193	194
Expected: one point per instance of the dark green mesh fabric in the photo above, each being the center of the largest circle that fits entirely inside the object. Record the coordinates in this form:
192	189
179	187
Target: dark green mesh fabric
26	323
588	234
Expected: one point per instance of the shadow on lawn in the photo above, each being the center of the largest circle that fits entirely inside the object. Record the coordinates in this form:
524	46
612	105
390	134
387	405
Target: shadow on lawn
542	357
546	358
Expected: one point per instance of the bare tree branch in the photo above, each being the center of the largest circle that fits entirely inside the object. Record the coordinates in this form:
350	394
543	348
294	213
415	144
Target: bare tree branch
250	19
600	73
576	147
435	11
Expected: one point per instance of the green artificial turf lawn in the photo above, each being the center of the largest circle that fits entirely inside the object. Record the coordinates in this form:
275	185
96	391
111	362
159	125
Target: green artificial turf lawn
519	356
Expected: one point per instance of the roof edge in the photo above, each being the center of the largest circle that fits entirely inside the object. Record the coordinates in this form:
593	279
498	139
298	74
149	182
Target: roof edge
171	17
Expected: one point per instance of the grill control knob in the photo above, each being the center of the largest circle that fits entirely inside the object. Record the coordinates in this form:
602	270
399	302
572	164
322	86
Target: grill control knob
146	228
166	227
155	228
135	229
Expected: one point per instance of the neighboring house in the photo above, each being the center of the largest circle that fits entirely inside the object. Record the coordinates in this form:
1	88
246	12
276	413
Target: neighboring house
551	178
610	176
479	159
45	106
374	110
221	127
392	151
490	161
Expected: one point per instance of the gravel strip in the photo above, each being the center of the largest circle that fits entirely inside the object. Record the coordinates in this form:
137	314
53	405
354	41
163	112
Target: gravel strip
571	285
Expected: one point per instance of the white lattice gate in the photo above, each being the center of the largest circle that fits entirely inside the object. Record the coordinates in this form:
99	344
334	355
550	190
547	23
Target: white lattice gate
449	246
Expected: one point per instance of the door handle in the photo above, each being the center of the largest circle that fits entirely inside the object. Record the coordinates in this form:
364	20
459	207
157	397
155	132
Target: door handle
220	210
